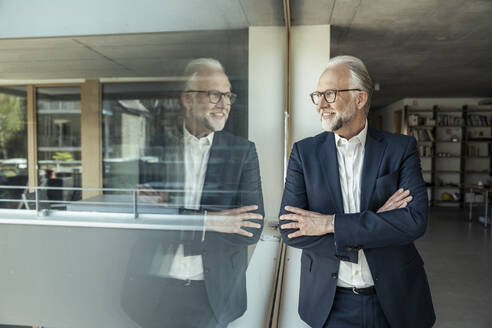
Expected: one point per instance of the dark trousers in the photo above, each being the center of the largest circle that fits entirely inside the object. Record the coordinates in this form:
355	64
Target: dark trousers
355	311
170	303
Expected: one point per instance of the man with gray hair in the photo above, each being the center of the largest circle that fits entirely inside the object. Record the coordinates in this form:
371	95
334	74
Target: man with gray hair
189	279
354	202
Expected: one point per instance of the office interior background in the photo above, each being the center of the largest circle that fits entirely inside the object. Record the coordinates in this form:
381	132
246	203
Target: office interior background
84	86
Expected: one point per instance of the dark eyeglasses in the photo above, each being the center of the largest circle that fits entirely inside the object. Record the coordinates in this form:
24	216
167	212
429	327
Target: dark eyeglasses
329	95
214	96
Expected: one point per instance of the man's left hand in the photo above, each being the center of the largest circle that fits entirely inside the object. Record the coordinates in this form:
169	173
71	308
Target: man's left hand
309	223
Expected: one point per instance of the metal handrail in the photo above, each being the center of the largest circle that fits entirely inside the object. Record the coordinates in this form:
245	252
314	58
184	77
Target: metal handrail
134	218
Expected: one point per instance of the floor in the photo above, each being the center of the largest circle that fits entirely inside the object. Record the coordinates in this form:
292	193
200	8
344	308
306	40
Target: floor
458	261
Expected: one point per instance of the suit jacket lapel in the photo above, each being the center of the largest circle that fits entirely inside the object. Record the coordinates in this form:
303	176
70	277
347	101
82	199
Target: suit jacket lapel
214	167
327	153
373	154
174	171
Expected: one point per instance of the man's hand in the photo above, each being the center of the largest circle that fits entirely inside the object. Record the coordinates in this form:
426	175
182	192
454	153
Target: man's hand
309	223
147	194
399	199
233	220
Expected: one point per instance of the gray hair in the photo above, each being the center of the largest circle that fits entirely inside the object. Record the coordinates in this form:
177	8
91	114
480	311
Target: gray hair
195	66
359	76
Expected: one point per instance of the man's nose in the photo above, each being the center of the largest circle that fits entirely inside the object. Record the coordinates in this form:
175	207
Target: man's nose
223	102
323	103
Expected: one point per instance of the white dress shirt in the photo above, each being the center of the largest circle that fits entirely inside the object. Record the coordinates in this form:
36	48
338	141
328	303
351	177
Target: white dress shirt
196	155
350	155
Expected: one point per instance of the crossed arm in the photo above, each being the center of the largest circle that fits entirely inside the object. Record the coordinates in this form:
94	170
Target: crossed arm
310	223
401	220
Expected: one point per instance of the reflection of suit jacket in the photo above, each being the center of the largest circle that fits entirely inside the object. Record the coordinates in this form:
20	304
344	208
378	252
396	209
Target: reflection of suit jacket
232	180
391	161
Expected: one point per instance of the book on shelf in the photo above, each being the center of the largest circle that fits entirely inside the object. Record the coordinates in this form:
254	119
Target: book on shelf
426	150
422	134
477	120
449	120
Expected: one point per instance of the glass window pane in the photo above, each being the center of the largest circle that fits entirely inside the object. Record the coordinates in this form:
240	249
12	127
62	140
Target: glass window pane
59	152
13	144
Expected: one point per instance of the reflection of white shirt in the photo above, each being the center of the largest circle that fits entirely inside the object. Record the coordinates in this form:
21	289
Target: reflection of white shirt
350	155
196	154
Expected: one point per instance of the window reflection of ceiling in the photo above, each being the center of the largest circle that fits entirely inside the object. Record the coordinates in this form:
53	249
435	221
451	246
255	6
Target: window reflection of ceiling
135	55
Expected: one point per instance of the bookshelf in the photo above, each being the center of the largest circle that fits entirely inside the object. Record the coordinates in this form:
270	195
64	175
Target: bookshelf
455	147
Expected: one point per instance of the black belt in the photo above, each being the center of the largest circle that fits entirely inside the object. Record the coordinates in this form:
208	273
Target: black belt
359	291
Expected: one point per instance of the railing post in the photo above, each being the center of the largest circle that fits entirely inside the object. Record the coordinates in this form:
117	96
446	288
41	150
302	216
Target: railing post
36	195
135	204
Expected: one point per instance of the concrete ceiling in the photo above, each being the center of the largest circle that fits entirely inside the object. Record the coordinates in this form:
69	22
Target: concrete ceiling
418	48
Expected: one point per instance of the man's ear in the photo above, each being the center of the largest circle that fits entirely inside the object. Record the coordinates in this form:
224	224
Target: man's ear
361	99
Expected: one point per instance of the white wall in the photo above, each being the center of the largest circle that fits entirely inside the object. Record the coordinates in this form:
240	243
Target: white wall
266	105
260	279
310	51
267	78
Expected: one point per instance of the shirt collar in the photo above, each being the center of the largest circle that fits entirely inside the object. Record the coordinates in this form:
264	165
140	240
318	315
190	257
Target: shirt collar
361	137
191	138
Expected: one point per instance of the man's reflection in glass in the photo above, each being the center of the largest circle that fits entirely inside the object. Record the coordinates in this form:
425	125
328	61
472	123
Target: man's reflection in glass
195	278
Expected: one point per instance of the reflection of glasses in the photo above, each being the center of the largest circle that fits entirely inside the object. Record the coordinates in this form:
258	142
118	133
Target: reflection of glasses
215	96
329	95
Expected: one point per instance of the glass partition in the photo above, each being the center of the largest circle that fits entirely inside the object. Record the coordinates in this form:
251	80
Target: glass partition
172	238
13	144
58	140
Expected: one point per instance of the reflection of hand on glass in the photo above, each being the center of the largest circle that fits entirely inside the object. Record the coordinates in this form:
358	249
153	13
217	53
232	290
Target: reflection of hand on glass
234	220
147	194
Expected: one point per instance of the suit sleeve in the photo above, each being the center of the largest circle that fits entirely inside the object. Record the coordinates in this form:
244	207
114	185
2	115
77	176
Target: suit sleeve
369	229
295	195
249	193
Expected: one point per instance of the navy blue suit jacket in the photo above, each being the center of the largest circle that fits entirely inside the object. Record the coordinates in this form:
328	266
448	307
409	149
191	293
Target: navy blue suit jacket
232	180
391	161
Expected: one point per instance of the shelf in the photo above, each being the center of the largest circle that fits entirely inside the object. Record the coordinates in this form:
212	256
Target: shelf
417	110
446	157
479	140
450	110
433	140
425	127
477	109
467	157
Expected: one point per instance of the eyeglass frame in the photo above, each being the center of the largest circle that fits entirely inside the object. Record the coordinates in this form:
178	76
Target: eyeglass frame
232	96
331	90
